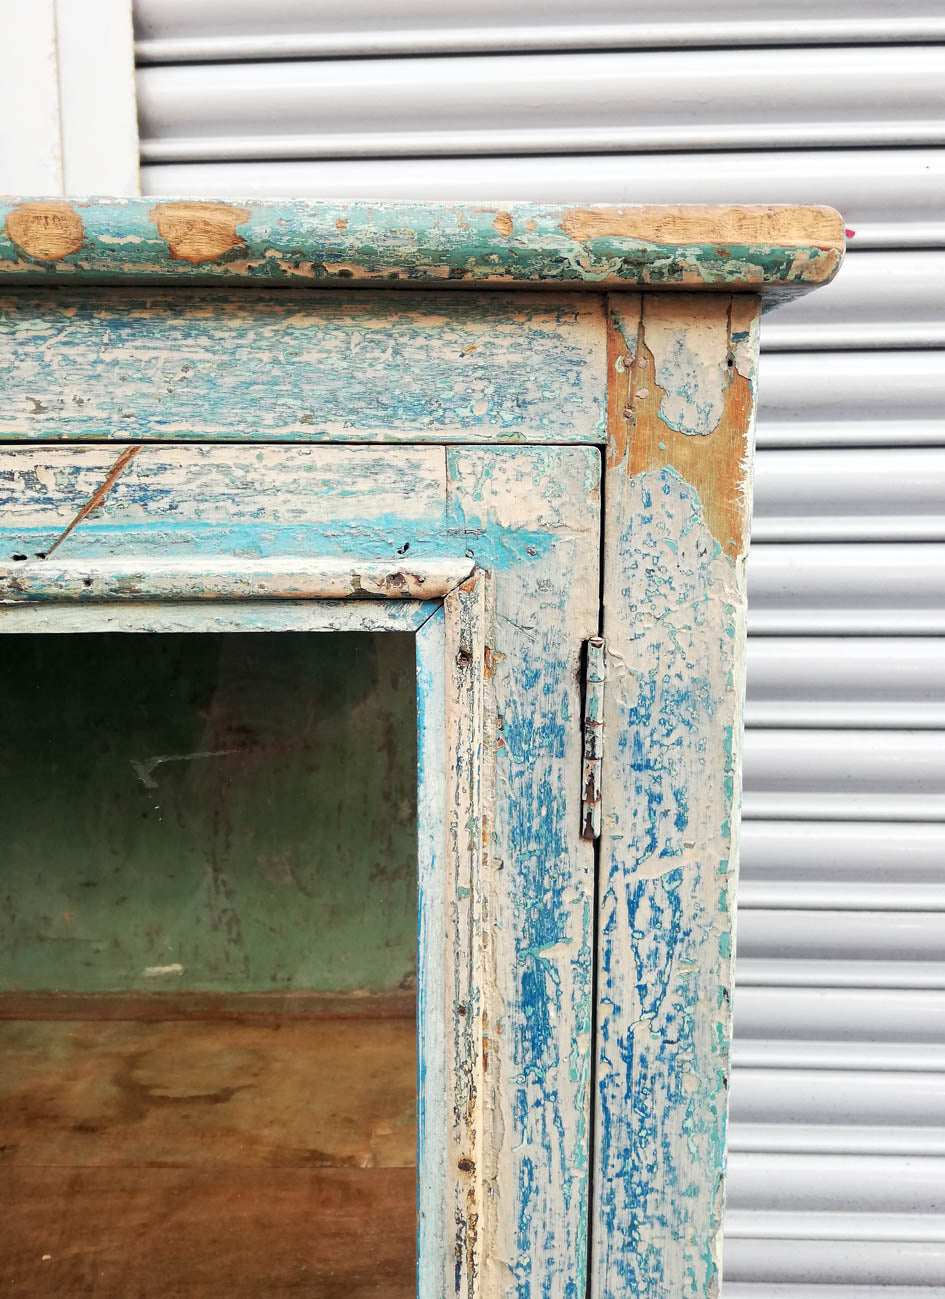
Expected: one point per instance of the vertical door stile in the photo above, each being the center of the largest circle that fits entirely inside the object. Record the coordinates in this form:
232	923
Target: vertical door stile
682	374
531	517
464	663
432	946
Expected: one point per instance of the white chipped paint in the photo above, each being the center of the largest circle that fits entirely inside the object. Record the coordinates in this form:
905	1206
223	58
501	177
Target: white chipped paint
45	486
674	621
225	577
309	367
538	884
690	349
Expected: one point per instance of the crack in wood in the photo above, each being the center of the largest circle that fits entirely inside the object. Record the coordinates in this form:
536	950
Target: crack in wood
98	496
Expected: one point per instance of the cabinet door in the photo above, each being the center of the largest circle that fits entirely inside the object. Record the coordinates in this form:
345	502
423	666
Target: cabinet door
289	953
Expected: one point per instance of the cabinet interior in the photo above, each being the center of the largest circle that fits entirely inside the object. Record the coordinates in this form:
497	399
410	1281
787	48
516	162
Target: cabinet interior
208	927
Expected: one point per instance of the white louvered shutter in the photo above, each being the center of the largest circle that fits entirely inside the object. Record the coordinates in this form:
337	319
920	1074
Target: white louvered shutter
837	1138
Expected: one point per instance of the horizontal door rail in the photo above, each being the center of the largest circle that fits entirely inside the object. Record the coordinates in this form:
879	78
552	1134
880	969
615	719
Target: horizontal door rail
225	578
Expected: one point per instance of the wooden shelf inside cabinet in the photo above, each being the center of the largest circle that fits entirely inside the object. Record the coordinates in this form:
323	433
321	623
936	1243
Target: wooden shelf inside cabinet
372	599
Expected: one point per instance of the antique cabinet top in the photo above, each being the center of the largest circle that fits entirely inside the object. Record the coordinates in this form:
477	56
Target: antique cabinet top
774	251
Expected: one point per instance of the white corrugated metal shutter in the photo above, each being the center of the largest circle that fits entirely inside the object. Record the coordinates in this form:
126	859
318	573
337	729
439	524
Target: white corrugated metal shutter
837	1166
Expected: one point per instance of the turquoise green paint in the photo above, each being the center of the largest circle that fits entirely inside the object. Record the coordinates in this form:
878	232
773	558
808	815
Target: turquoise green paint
425	243
286	862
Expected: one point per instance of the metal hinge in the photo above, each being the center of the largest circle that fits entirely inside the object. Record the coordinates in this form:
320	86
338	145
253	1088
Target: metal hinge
593	737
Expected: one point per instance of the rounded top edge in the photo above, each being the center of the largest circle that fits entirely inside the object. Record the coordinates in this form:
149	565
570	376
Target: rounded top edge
777	250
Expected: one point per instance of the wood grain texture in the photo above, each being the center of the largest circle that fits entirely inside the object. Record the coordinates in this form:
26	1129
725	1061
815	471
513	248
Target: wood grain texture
743	248
107	1233
198	364
208	1158
678	495
204	1093
531	517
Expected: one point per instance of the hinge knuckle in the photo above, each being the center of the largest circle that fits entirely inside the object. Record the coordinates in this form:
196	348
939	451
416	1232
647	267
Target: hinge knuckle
593	737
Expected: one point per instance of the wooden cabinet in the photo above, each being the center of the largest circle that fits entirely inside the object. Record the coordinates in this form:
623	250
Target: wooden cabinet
373	586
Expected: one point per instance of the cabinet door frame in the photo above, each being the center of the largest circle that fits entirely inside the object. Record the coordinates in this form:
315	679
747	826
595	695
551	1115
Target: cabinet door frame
502	594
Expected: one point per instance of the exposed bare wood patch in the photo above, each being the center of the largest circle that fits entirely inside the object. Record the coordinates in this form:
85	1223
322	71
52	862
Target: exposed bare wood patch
790	226
47	231
503	223
711	462
199	232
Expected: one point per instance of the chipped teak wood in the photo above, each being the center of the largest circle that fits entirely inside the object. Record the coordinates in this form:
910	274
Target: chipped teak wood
129	323
517	1123
206	1157
532	516
199	232
761	249
675	537
115	1232
97	497
69	617
200	365
46	231
203	1092
225	577
696	423
789	226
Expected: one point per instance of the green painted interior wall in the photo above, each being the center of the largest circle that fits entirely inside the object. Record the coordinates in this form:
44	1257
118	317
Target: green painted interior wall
287	860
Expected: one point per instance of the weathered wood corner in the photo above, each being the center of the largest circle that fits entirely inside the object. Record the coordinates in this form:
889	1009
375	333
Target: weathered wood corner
533	425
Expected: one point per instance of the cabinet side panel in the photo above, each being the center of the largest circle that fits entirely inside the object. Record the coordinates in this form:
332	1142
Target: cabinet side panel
532	517
677	504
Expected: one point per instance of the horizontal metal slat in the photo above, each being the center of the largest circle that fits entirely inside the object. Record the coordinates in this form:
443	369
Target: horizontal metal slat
867	775
844	1262
846	681
789	1136
840	936
847	589
888	197
768	1098
769	1290
837	1225
175	30
832	972
525	103
879	300
849	399
825	1183
850	495
796	1027
841	865
893	1057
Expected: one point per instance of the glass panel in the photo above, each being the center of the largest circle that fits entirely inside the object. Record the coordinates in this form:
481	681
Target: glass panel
208	965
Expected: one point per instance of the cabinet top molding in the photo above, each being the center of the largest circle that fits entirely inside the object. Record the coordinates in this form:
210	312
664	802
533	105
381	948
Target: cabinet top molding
777	251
